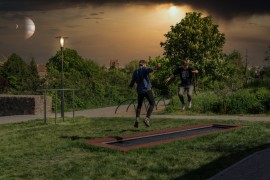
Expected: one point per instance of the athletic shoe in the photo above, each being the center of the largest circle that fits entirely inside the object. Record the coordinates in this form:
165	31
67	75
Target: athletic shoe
183	107
136	125
146	122
189	105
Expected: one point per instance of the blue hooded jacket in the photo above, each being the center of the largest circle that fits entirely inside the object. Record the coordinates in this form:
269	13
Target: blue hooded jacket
142	79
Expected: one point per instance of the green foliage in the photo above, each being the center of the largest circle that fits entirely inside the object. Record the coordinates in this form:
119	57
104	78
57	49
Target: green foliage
199	39
34	79
131	66
266	72
195	37
205	102
246	101
228	73
21	77
257	82
96	86
243	102
263	96
160	75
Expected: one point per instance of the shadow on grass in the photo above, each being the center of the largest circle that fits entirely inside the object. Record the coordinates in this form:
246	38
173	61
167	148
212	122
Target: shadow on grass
123	130
74	138
220	164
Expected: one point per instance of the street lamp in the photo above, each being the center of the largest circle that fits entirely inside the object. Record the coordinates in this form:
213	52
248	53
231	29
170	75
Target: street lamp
62	41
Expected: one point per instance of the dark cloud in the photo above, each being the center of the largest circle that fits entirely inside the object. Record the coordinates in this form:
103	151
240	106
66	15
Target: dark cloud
222	8
230	9
93	18
94	14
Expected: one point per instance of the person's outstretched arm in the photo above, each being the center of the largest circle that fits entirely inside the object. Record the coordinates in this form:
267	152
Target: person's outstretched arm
132	82
195	71
169	78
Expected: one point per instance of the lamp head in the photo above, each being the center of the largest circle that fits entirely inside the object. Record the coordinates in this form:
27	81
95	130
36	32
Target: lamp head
62	40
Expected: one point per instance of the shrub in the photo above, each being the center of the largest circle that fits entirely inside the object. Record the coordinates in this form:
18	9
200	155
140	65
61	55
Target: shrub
205	102
245	101
263	96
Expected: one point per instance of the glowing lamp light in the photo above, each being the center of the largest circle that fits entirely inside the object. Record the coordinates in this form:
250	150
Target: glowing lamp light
62	40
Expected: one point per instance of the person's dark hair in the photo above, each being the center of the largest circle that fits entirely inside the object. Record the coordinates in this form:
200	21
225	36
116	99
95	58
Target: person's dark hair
186	61
142	62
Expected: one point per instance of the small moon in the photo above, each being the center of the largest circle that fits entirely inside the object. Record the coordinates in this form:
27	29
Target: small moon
29	27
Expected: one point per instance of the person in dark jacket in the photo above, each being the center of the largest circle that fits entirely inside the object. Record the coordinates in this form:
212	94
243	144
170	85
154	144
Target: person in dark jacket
187	81
142	79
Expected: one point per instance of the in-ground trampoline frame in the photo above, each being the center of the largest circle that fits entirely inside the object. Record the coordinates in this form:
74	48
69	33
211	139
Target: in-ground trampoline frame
117	141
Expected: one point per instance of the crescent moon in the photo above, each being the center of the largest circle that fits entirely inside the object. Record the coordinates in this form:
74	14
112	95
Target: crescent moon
29	27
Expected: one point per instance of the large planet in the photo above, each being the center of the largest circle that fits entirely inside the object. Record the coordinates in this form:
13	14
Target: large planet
29	27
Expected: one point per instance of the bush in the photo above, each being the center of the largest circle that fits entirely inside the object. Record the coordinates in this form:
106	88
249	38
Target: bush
259	83
246	101
174	105
205	102
243	102
263	96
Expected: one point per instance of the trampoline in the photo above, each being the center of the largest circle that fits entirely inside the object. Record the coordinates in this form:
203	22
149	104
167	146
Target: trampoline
125	143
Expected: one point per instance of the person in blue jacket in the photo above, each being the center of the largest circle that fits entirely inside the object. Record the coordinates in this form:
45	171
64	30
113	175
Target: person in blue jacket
142	79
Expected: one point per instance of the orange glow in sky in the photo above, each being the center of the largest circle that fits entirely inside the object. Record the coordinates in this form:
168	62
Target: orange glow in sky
124	32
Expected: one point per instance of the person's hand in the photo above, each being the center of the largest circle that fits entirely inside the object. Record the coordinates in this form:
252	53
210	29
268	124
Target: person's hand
167	80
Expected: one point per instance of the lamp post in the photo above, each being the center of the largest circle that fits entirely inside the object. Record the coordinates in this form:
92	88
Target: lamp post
62	41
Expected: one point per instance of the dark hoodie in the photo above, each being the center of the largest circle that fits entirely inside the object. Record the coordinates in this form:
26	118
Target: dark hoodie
142	79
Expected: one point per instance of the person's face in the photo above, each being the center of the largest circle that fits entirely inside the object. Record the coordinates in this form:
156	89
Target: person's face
185	64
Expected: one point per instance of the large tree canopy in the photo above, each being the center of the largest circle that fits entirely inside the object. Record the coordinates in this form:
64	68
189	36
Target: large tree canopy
196	38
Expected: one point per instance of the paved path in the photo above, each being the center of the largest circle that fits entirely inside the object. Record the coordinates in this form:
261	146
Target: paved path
110	112
253	167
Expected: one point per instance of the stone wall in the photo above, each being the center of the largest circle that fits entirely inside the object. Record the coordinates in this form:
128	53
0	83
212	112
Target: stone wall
24	104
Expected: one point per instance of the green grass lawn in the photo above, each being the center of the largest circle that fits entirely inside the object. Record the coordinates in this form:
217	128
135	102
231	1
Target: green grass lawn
34	150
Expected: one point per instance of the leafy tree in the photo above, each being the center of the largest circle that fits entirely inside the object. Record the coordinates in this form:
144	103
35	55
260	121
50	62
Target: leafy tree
34	79
96	86
17	73
159	76
131	66
233	72
196	38
77	74
265	72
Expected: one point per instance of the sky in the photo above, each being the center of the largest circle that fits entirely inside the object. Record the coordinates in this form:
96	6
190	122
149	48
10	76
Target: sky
125	30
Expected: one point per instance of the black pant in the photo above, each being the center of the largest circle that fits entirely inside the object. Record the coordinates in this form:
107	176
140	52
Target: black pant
149	96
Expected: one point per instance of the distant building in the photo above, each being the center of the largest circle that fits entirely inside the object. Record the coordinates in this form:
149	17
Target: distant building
42	71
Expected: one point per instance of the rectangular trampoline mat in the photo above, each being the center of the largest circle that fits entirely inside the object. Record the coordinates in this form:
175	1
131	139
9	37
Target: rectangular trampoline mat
128	142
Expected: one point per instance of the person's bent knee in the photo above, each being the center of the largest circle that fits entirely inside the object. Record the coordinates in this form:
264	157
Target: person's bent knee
180	95
152	103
